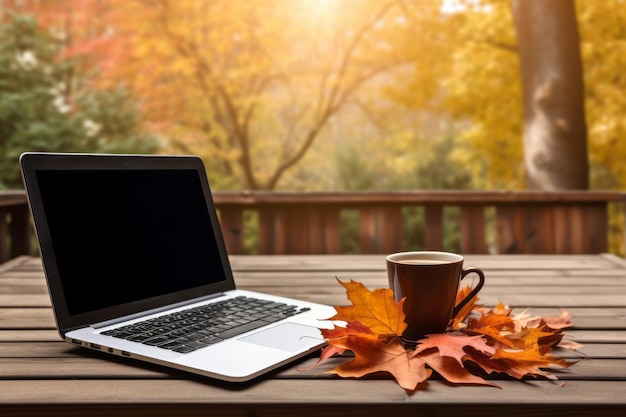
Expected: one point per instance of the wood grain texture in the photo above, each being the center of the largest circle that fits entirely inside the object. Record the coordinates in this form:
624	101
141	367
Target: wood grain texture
42	375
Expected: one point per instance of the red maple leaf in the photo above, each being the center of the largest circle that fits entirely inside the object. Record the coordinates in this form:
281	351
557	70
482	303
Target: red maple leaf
373	354
454	345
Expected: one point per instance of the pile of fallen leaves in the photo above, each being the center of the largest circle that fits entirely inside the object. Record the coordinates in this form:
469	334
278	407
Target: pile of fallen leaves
479	341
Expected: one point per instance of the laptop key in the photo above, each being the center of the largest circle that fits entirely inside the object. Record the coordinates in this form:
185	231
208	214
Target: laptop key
236	331
155	341
171	345
196	344
211	340
184	349
194	336
274	318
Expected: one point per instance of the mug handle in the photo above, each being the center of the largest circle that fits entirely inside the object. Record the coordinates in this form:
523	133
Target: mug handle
468	297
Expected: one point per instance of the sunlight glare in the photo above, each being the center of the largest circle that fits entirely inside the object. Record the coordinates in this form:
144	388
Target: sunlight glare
459	6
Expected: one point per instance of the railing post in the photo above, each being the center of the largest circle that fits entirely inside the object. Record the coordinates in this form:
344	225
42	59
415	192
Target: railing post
231	222
15	228
5	254
473	236
324	224
433	214
381	229
20	230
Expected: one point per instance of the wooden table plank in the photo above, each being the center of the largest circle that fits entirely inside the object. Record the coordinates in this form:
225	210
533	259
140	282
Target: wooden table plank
41	375
318	409
377	262
89	366
28	335
290	391
39	349
519	301
26	318
536	278
609	348
25	300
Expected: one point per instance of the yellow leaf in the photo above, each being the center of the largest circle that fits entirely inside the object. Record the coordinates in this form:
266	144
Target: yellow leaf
376	309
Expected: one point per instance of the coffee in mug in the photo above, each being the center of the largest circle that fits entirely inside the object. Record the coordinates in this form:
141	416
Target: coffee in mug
429	281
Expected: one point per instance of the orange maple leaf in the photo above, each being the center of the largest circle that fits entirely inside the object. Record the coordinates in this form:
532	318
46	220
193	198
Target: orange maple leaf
377	309
453	345
458	320
374	324
449	368
373	354
530	361
352	328
495	324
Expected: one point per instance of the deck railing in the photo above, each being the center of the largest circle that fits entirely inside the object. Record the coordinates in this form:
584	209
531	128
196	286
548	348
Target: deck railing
563	222
15	228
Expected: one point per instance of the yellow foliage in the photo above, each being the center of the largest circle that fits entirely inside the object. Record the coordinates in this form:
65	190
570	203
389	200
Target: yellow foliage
237	79
604	56
261	77
478	72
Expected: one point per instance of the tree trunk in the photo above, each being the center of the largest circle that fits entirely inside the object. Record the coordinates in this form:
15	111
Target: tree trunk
555	131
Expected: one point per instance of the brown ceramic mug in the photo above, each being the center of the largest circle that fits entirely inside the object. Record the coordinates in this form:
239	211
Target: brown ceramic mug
430	282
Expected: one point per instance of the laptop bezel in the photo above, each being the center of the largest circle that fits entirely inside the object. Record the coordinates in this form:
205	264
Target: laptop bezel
31	162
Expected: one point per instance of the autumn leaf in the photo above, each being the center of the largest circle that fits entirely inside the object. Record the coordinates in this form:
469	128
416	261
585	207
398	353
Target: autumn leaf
524	319
374	324
525	342
496	324
561	322
450	369
373	354
446	353
377	309
458	320
352	328
530	361
453	345
494	340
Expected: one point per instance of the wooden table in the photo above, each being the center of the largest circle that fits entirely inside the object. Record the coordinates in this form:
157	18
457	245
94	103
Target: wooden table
41	375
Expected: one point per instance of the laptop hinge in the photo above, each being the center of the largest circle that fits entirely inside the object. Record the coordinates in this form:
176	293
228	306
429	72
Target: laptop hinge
122	319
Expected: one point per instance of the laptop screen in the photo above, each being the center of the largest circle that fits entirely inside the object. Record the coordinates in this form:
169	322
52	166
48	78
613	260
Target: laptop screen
123	234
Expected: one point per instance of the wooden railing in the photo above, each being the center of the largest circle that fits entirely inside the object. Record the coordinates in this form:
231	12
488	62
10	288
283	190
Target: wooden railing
563	222
15	229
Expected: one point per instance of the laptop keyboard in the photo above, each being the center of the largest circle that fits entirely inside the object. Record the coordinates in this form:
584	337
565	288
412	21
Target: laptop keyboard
191	329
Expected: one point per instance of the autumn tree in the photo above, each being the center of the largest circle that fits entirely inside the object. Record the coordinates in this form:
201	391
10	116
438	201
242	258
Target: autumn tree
481	88
41	111
555	131
250	85
466	76
243	84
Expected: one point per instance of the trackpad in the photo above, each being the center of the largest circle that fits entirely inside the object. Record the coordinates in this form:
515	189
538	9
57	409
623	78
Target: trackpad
291	337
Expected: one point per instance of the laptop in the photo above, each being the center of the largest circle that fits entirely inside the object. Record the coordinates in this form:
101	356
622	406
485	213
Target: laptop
136	267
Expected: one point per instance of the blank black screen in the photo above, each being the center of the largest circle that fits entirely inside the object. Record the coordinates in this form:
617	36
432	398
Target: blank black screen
124	236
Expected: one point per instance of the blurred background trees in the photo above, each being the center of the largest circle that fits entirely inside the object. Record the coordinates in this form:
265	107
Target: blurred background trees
302	94
42	107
